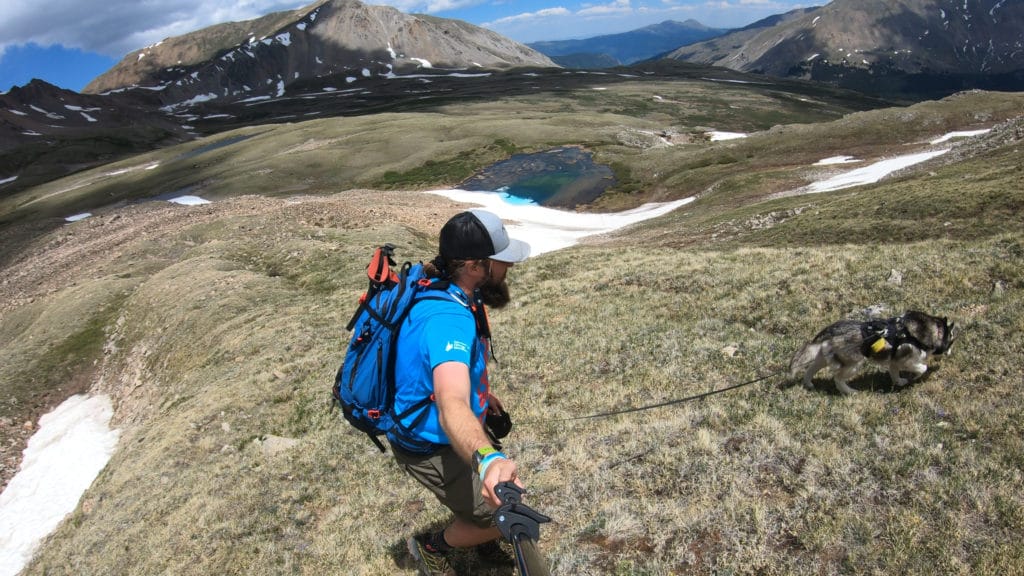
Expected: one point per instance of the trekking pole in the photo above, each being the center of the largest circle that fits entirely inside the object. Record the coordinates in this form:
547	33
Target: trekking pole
520	525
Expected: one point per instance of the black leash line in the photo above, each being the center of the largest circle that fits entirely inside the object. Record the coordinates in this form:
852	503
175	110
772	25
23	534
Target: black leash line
666	403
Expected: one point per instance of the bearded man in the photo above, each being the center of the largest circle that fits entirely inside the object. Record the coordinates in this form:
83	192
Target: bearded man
442	354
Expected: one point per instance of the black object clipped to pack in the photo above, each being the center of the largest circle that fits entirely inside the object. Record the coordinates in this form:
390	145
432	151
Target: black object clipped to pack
497	424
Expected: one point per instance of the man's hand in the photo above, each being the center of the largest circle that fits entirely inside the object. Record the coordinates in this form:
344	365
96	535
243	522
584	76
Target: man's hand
494	405
498	471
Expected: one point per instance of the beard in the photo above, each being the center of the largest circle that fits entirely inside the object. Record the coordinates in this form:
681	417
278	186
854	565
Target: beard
495	295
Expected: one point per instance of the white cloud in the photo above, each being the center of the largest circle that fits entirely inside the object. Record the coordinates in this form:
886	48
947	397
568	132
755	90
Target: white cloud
529	16
427	6
117	27
615	8
575	20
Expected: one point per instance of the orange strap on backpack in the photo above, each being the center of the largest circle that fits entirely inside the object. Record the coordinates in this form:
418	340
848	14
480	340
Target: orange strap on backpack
379	270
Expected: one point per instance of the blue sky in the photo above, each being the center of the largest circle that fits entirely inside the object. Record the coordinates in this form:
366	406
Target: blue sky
69	42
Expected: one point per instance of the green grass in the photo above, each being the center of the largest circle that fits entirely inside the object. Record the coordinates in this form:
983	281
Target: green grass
446	171
225	326
51	350
440	145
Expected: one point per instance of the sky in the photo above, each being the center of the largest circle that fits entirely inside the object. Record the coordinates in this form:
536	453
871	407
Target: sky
69	42
74	442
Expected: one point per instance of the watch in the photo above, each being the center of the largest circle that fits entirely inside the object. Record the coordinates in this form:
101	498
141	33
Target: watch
479	456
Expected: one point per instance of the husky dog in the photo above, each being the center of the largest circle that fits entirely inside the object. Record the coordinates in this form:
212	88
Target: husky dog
900	344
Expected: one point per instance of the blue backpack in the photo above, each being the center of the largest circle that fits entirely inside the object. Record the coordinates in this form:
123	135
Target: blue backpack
365	383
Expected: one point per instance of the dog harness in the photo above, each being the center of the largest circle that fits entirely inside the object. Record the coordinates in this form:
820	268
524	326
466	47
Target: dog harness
881	337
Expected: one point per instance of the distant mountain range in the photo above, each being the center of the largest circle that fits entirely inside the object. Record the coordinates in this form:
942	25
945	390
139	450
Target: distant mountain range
47	132
628	47
346	38
883	46
343	57
921	47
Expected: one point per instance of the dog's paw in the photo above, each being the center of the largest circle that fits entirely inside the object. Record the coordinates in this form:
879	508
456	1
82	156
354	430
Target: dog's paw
901	382
844	388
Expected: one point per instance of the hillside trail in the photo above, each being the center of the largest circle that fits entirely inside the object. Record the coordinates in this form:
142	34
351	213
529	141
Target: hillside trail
57	256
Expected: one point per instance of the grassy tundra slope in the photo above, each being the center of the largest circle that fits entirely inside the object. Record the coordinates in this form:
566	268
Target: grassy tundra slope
217	329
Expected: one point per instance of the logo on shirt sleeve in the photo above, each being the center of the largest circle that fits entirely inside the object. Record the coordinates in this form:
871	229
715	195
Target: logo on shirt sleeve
456	345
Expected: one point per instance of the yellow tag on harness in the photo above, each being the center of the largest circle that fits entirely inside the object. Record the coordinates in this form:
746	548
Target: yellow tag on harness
879	345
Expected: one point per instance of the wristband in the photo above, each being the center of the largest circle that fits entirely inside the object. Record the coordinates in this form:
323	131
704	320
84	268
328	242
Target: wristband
487	460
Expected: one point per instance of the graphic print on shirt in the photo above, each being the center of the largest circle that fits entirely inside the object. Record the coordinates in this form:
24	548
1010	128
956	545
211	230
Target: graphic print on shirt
456	345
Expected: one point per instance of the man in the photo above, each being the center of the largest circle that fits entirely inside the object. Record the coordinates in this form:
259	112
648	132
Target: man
442	353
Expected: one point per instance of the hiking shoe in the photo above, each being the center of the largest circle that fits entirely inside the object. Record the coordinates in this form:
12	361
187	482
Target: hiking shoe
430	563
495	554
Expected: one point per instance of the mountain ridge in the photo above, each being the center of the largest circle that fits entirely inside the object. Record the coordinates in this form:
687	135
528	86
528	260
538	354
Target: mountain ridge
846	41
328	38
627	47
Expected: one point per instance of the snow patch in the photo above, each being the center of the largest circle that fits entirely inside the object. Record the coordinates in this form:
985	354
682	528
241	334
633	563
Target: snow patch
717	136
871	174
71	447
961	134
469	75
836	160
189	200
187	103
48	114
548	229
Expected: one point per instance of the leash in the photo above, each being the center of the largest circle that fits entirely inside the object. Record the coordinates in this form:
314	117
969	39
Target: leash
520	524
668	402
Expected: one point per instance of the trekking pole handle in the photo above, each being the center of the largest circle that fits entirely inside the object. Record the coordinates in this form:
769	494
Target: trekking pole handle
514	518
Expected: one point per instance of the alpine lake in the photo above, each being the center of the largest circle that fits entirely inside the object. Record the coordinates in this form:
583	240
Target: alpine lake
558	178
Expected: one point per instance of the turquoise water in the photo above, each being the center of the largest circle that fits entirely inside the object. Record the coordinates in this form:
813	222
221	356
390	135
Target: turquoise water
519	200
562	177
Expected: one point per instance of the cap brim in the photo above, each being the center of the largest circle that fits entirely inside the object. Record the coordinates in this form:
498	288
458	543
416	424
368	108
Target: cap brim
516	251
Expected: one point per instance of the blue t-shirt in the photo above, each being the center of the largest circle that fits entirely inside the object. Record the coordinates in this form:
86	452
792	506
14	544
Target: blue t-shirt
438	331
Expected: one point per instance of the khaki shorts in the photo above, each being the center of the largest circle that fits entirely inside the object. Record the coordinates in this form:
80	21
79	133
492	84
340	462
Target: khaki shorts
451	480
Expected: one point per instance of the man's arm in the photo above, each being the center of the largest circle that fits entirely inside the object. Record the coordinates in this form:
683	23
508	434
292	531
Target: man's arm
451	392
